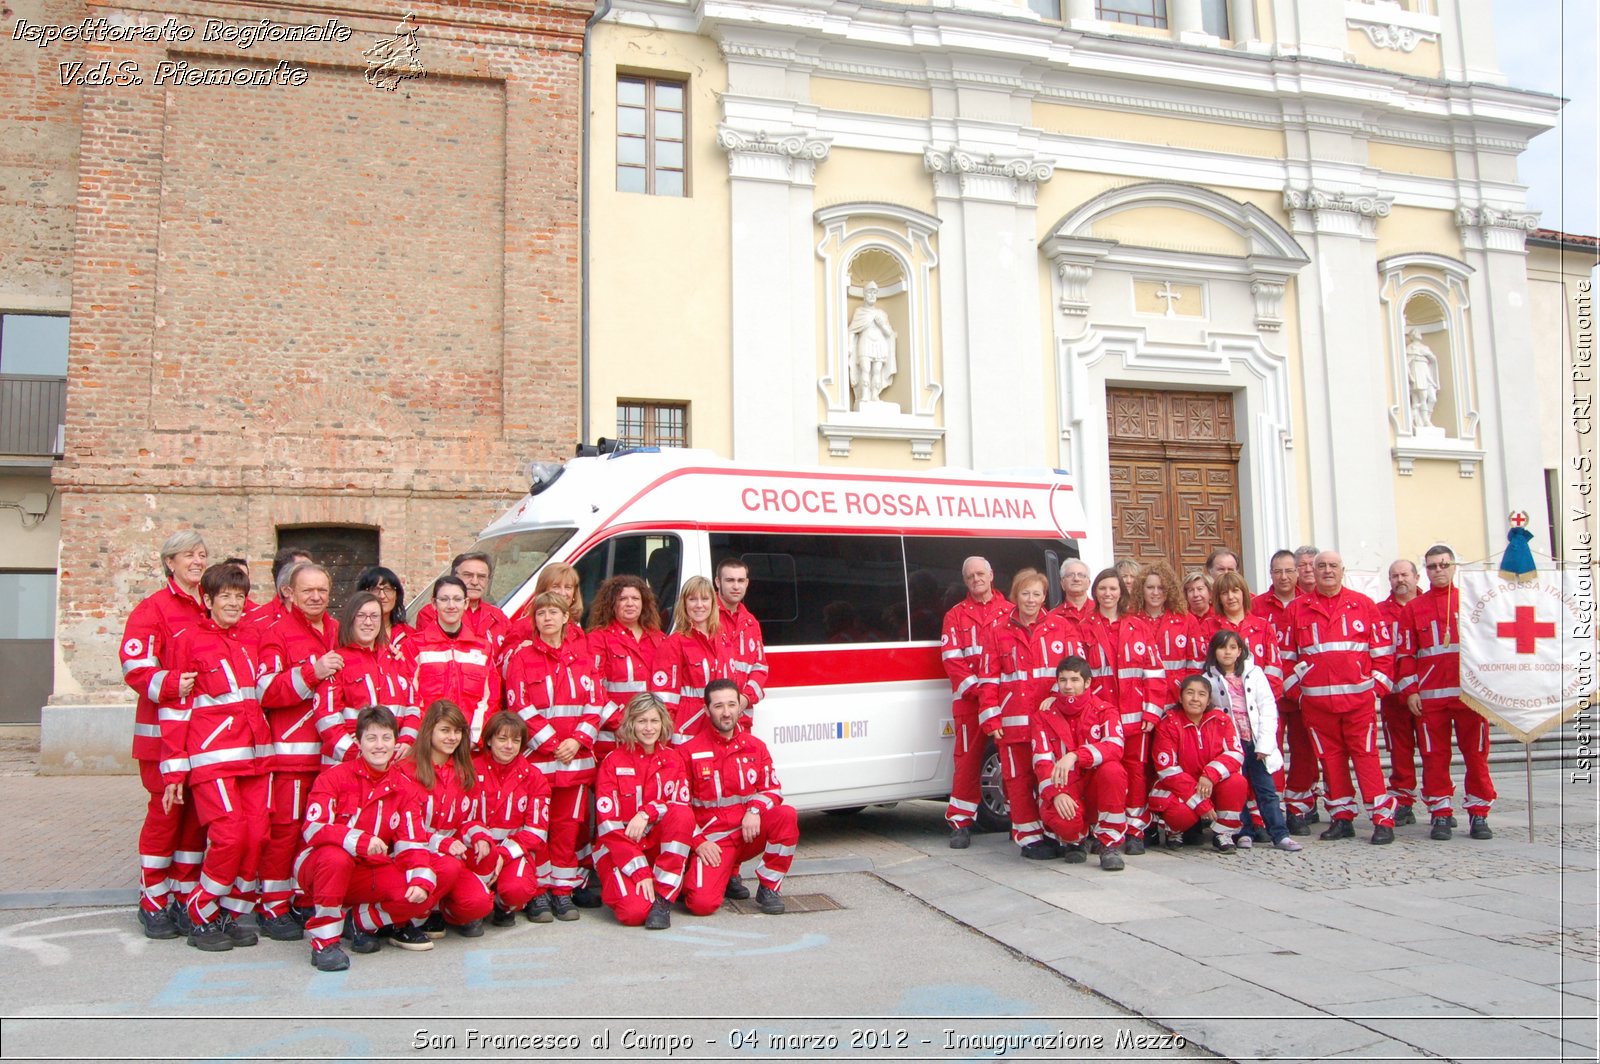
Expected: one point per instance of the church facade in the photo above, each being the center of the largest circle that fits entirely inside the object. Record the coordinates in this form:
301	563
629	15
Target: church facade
1254	272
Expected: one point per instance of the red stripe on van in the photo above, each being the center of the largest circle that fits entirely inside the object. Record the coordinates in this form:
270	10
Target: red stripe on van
834	665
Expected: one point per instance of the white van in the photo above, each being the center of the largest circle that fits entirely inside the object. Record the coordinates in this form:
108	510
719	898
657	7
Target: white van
851	573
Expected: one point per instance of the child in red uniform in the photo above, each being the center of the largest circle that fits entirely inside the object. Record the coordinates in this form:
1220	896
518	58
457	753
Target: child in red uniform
215	751
512	803
1077	759
367	848
642	797
1199	767
442	770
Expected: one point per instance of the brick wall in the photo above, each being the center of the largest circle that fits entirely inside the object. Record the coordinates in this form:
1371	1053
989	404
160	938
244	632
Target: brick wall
316	304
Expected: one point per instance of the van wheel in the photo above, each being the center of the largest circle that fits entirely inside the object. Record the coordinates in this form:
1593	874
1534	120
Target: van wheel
994	811
849	810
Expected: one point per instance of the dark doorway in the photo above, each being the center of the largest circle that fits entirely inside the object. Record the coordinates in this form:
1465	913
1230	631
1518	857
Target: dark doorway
343	550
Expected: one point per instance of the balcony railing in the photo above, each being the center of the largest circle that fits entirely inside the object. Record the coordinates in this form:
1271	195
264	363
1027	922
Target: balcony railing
33	415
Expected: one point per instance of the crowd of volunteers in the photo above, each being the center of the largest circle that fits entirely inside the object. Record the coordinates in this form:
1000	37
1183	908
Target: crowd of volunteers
372	777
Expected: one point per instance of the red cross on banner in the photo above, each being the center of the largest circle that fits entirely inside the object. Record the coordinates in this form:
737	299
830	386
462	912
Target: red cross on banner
1526	629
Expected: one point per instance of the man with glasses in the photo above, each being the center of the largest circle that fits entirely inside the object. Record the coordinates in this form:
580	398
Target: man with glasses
484	618
1399	726
1301	768
1430	679
1340	651
1077	608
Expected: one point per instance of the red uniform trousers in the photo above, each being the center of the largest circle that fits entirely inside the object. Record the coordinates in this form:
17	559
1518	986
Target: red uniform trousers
286	809
1101	794
664	850
1304	767
516	884
459	894
376	893
171	845
1342	740
964	787
1472	734
569	835
234	811
1136	771
1016	769
780	831
1400	732
1182	809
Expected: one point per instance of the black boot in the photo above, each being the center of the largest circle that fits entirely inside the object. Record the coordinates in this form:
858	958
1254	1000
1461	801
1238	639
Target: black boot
660	917
1403	816
1339	829
736	890
1480	828
770	901
588	895
212	937
1382	835
1440	831
157	924
960	838
1298	825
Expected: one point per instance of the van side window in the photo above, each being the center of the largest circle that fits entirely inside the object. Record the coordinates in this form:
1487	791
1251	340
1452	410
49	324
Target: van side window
655	556
815	589
933	572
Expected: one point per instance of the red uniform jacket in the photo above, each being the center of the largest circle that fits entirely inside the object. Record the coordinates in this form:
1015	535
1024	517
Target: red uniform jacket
1259	638
1018	670
403	637
1340	653
459	667
512	802
633	782
1391	612
350	804
747	654
1210	748
382	676
685	663
1085	726
555	691
1176	640
146	648
1140	677
1428	648
485	619
623	665
299	706
962	643
728	776
259	616
1275	612
219	729
446	808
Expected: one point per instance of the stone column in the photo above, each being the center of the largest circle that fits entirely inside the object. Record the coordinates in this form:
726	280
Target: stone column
989	302
1343	373
1508	400
772	178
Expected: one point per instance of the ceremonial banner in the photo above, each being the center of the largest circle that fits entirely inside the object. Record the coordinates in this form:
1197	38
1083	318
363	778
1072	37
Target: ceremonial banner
1527	649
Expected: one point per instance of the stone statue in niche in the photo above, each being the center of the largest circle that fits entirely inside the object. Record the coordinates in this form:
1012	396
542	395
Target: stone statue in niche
1422	376
872	350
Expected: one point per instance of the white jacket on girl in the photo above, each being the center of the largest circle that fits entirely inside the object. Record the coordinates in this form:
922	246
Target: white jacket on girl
1259	707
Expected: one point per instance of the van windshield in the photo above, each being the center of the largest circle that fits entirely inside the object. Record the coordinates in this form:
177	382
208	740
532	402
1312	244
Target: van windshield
516	556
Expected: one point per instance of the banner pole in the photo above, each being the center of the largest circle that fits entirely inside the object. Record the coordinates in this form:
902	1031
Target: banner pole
1527	750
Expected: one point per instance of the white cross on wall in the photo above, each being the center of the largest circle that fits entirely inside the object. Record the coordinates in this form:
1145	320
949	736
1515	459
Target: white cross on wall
1166	292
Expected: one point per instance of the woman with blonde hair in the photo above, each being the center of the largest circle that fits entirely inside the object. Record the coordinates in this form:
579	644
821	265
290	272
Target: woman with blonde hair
550	684
642	797
691	657
1019	654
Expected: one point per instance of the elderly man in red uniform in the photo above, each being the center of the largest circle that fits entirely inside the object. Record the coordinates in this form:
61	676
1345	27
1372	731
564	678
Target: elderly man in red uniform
171	841
1430	679
962	653
1400	728
742	632
1341	657
738	809
1302	769
299	656
1077	606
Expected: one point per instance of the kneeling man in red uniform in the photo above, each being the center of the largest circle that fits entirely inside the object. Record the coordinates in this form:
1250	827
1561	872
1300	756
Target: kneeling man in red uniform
368	847
738	808
1077	759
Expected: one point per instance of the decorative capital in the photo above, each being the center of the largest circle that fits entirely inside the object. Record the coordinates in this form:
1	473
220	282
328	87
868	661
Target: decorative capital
789	156
1389	36
1339	212
1268	294
962	174
1493	229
